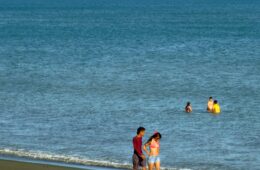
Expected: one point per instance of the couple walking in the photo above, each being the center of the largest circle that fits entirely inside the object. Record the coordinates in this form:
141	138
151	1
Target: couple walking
153	144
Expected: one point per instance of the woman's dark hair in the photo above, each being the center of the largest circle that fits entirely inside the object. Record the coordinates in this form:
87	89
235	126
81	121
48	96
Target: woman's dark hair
188	103
140	129
155	135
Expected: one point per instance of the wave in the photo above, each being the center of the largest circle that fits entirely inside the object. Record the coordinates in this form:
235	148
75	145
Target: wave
39	155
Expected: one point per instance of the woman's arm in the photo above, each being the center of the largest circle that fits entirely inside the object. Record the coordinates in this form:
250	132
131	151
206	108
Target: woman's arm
145	147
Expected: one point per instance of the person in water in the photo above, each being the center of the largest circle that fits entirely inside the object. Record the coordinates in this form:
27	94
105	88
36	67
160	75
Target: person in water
210	105
138	156
216	107
154	144
188	108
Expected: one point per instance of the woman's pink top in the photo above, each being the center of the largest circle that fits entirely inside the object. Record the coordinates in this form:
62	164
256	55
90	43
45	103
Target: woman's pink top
154	144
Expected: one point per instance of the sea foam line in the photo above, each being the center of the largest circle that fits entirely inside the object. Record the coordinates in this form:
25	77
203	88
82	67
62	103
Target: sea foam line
60	158
39	155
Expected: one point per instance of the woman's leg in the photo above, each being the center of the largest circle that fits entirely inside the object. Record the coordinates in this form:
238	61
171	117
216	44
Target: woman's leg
151	165
157	165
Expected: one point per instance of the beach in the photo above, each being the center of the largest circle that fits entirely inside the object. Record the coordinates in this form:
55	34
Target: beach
16	165
12	164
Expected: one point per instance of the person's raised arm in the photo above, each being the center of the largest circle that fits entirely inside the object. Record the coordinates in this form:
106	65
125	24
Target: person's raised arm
145	147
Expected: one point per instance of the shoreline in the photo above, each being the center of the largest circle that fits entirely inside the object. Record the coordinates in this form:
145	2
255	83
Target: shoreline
18	163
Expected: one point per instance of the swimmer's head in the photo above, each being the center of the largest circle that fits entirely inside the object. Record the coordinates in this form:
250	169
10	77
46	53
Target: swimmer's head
210	98
215	102
188	103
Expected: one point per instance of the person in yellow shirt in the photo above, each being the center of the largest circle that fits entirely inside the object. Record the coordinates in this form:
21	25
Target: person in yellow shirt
216	107
210	105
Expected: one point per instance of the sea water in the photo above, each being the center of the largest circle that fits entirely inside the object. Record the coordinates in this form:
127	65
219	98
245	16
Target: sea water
78	77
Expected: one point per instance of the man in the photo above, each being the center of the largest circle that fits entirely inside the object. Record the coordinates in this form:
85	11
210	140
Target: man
210	105
139	157
216	107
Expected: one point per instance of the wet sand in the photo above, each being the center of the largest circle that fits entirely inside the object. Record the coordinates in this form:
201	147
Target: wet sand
17	165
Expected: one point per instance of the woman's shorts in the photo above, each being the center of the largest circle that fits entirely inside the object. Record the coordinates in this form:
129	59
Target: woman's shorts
153	159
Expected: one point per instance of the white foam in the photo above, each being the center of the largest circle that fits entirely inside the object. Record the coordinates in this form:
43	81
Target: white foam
68	159
61	158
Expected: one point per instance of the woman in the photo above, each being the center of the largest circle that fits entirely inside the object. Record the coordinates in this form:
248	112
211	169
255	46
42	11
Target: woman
153	155
188	108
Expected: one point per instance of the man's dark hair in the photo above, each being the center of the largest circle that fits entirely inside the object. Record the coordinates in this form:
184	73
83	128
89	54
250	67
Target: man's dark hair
140	129
210	97
215	101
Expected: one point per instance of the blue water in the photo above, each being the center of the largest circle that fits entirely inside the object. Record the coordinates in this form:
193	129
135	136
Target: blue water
77	77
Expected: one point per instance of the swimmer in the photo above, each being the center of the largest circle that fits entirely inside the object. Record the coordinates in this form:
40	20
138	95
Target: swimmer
210	105
216	107
188	108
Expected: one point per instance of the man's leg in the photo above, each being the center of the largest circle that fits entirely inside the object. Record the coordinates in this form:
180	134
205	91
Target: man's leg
135	162
143	163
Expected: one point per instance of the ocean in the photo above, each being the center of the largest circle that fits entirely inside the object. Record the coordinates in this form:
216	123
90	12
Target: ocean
78	77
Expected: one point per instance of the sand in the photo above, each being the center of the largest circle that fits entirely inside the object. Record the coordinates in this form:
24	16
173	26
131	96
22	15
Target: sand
17	165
